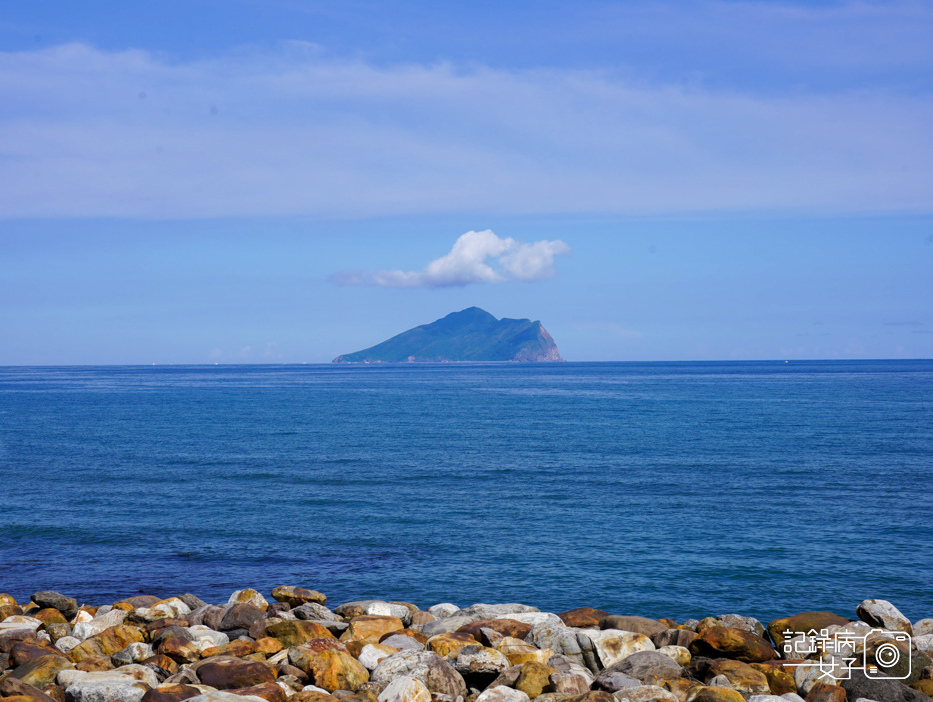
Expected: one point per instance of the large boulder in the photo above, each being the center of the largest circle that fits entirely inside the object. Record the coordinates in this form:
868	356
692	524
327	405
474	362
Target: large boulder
68	606
239	616
171	693
334	670
476	659
506	627
42	671
295	633
613	645
640	665
882	613
583	617
107	642
501	693
405	689
741	676
370	628
802	624
726	642
297	596
858	685
436	673
127	684
534	678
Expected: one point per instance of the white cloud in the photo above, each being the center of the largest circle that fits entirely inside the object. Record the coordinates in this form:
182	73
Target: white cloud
476	257
89	133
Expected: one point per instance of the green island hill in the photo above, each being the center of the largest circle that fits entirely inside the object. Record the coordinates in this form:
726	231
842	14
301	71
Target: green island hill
470	335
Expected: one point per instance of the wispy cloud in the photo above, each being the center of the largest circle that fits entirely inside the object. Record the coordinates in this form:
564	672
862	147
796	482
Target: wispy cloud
87	132
476	257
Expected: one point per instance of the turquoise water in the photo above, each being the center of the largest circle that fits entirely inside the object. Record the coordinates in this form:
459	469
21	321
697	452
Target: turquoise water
661	489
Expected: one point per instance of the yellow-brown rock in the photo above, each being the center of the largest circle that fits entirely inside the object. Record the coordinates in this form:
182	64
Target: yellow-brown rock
822	692
518	652
924	686
334	670
297	596
10	610
803	623
446	644
56	692
268	646
741	676
163	662
267	691
296	632
95	664
25	651
533	678
136	601
583	617
106	643
249	596
11	687
49	616
726	642
180	649
780	679
419	618
506	627
6	599
238	648
42	671
370	628
707	623
259	657
716	694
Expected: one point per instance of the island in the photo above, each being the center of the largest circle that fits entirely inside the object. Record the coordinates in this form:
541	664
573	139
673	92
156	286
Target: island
469	335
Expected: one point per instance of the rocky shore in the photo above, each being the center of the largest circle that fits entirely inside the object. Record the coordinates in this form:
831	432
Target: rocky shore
293	647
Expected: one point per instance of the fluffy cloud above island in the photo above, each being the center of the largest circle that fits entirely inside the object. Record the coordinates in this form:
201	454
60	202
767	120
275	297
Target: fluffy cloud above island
476	257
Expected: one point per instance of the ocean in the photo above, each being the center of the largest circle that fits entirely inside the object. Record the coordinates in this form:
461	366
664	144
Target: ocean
657	489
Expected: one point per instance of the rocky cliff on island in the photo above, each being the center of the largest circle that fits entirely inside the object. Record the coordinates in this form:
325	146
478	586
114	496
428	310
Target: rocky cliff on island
470	335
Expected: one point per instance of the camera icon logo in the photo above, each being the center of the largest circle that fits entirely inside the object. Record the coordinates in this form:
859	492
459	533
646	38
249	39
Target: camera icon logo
880	654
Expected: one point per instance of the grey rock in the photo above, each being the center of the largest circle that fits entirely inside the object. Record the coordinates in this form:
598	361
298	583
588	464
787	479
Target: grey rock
68	606
883	614
565	664
692	624
502	694
738	621
570	683
611	681
720	681
674	637
428	667
923	627
99	624
443	610
480	660
859	685
446	625
645	693
767	698
315	612
508	678
221	696
402	642
643	664
193	601
495	611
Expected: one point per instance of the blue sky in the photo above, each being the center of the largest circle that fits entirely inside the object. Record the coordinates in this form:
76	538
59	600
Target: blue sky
236	181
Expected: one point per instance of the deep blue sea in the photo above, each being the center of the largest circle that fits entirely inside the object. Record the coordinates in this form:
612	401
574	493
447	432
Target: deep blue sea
658	489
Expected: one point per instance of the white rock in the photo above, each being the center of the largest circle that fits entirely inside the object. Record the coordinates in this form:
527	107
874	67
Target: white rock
496	611
792	696
20	621
172	607
248	596
501	693
138	651
401	641
923	627
128	683
405	689
678	654
479	659
285	688
614	645
314	688
66	643
924	643
86	630
443	610
82	616
280	657
385	609
766	698
644	693
371	654
200	633
535	618
884	614
829	671
221	696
